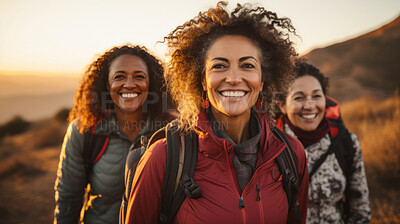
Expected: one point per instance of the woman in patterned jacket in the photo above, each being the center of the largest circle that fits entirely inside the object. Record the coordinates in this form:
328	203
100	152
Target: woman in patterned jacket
337	193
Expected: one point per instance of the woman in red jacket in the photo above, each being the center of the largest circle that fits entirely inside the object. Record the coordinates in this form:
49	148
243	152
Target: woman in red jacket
223	65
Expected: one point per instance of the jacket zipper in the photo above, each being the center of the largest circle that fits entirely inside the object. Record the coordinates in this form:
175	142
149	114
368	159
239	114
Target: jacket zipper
241	201
260	204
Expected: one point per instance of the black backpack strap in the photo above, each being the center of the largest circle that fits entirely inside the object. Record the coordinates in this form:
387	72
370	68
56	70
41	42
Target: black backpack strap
170	172
345	151
94	147
319	162
287	163
342	146
178	181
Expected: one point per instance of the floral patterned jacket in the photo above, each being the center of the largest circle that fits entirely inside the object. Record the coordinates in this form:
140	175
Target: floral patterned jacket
328	185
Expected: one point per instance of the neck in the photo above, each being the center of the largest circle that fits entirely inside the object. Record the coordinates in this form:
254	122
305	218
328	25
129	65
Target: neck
236	127
130	123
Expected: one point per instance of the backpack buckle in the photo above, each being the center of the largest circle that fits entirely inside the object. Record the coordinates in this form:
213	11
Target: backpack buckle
191	189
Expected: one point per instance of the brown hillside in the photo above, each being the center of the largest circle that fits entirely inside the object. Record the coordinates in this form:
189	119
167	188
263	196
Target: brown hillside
28	164
364	66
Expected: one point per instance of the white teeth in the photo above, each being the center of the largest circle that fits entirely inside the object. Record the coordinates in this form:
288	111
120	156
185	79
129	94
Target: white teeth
129	95
233	93
309	116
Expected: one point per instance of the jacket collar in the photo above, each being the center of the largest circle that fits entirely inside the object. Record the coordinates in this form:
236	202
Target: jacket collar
270	146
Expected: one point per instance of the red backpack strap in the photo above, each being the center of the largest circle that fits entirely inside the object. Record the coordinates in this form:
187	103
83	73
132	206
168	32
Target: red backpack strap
279	123
332	110
103	149
332	113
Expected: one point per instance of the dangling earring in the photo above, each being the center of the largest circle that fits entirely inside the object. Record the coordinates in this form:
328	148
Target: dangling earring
259	103
204	101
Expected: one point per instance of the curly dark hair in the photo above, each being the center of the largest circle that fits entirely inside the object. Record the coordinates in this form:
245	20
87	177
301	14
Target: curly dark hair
91	103
190	42
304	68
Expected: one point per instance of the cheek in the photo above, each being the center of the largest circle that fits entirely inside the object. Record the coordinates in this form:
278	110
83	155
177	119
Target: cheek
293	107
321	106
145	85
212	81
113	86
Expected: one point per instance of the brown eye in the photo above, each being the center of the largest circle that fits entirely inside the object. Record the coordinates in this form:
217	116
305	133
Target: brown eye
119	77
248	65
140	77
218	66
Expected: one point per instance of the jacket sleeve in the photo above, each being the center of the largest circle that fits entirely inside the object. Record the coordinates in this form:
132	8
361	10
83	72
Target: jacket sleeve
357	194
145	197
132	161
71	178
302	194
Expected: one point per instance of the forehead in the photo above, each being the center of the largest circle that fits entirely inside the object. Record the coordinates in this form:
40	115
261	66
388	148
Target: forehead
305	84
127	61
233	46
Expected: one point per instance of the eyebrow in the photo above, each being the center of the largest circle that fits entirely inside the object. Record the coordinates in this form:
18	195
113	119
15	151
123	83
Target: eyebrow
240	59
122	71
301	92
247	57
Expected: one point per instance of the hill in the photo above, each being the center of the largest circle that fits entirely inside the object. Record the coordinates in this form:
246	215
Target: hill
34	107
28	164
35	97
367	65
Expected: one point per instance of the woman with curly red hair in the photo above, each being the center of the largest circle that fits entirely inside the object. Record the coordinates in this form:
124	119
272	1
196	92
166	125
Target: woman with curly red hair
119	100
224	70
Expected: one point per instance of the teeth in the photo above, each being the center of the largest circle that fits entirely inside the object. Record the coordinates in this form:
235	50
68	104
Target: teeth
233	93
129	95
309	116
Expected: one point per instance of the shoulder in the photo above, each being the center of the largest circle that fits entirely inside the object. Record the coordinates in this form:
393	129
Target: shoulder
156	153
354	138
72	130
73	139
296	145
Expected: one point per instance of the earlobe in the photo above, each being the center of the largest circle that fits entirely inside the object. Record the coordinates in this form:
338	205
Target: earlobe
281	107
204	85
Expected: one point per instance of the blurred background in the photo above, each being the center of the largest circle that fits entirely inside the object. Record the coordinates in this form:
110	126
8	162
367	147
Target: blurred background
46	45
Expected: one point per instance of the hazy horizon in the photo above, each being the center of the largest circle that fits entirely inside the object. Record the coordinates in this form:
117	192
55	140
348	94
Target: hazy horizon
56	37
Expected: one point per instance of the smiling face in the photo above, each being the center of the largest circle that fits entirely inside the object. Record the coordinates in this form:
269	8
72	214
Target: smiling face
232	75
128	83
305	103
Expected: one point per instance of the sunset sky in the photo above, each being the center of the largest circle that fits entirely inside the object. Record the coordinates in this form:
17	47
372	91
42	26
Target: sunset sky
55	36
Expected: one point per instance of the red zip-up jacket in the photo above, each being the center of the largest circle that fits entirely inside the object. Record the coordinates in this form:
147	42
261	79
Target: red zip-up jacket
215	174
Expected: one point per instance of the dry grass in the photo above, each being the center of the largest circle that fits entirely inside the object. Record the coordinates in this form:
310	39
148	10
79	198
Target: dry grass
377	125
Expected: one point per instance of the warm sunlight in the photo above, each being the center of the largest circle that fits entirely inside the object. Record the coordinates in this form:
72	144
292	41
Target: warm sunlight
64	36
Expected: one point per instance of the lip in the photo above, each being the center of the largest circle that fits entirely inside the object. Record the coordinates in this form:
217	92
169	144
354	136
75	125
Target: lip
309	116
129	95
233	93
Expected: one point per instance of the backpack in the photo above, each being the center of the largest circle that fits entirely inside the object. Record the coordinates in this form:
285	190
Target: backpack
341	141
181	162
94	147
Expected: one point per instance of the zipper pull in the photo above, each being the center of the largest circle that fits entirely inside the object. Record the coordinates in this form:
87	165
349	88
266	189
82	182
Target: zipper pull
258	192
241	202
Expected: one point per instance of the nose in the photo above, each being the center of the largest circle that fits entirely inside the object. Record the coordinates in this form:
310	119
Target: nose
233	76
129	82
309	104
